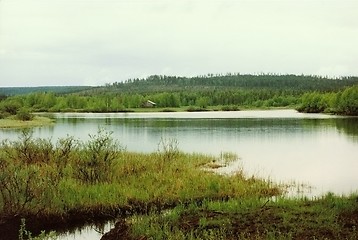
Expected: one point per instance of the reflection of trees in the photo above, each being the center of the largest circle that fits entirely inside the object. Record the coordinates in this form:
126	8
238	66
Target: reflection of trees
229	124
348	126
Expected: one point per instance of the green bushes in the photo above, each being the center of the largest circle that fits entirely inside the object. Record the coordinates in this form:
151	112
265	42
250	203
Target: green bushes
13	107
344	102
96	160
10	106
24	189
24	115
4	115
347	101
28	150
313	103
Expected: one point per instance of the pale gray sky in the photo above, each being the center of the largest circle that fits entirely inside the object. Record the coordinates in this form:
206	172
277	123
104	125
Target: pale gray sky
93	42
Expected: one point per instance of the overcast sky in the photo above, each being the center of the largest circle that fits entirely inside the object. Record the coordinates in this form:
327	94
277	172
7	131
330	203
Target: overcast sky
93	42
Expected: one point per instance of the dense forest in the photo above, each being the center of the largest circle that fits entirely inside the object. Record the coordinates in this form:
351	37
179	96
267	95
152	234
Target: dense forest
225	92
296	83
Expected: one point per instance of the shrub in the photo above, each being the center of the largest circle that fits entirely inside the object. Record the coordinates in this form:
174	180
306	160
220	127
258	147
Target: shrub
28	150
24	115
168	149
348	101
11	107
313	103
97	158
24	187
3	115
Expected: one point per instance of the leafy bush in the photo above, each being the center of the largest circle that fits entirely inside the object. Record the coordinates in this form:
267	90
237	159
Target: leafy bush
23	187
97	158
28	150
24	115
313	103
348	101
344	102
10	107
3	115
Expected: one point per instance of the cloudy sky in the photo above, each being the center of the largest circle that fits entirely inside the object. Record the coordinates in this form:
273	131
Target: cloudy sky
93	42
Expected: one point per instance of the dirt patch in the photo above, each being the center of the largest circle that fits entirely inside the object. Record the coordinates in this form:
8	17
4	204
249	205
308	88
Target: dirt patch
120	231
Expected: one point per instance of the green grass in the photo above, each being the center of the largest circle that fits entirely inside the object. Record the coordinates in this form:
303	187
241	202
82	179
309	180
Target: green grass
167	194
37	121
209	108
68	179
329	217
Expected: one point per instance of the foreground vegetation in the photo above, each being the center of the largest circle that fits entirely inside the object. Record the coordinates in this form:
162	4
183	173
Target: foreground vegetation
69	182
329	217
162	195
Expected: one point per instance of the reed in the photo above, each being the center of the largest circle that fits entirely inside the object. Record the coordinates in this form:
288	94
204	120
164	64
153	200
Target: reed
167	194
39	179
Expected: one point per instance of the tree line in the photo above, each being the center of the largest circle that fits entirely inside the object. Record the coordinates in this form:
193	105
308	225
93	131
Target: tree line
297	83
115	102
307	93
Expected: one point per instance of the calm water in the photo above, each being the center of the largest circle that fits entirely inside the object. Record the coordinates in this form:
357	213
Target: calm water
316	149
283	145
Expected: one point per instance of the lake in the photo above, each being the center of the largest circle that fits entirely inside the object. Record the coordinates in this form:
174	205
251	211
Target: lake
283	145
314	149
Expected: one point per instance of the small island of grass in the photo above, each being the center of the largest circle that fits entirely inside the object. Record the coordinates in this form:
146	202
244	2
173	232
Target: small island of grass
37	121
21	118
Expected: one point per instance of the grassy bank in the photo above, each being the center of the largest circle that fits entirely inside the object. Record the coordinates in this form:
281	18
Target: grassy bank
162	195
187	109
13	122
329	217
72	182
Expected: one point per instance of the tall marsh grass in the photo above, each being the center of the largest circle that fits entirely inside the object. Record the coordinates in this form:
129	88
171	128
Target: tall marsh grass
329	217
39	178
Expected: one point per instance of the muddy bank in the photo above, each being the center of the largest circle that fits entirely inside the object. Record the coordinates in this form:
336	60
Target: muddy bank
120	231
326	219
79	218
76	219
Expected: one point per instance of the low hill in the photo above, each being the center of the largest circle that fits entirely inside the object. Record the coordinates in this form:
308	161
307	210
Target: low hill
11	91
297	83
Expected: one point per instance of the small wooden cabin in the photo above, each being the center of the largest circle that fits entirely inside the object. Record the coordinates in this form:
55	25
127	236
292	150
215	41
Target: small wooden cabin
149	104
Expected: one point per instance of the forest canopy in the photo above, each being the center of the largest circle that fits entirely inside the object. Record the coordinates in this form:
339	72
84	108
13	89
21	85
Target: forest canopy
230	92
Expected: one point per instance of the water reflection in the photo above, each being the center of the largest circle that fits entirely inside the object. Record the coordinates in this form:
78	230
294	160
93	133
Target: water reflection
316	150
91	232
285	145
348	126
